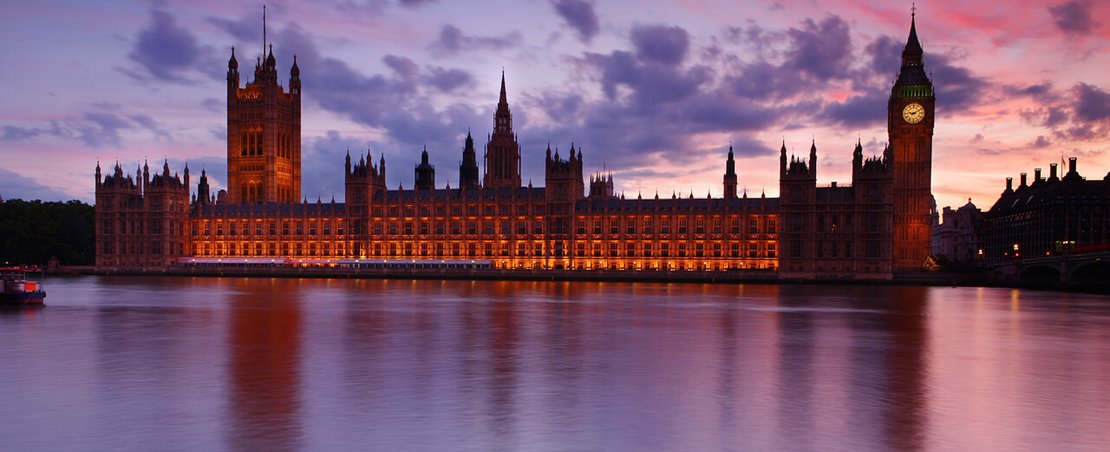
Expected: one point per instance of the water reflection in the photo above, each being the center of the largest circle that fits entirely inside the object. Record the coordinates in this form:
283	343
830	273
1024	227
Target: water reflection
286	364
264	366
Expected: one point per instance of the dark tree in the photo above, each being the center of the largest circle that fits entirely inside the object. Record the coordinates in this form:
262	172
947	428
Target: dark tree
33	231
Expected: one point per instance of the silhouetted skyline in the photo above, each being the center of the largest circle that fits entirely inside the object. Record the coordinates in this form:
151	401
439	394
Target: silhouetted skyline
655	93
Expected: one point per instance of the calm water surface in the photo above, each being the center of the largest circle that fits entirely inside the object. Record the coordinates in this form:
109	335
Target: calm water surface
286	364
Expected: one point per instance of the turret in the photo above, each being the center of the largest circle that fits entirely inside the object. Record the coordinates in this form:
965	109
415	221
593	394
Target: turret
730	178
857	154
204	197
468	169
813	159
425	173
782	159
295	77
232	74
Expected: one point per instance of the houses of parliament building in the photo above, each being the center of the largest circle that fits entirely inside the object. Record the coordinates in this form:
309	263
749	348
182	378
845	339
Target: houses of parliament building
872	229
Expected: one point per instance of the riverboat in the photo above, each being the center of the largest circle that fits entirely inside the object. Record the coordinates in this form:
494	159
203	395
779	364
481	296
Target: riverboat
17	290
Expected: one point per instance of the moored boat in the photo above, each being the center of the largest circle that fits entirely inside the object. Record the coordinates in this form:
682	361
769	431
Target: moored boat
17	290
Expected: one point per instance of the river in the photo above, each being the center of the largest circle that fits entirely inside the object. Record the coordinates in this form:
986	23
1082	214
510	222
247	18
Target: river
178	363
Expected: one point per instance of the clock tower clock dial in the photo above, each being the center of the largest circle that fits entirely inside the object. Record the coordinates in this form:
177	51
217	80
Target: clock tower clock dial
913	113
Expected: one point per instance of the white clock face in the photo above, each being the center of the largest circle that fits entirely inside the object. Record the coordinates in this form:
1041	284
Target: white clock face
913	113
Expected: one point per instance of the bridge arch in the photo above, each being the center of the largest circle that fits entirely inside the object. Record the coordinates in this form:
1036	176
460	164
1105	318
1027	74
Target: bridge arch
1094	274
1040	275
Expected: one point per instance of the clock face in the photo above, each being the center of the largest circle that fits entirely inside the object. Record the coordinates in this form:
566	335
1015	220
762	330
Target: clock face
913	113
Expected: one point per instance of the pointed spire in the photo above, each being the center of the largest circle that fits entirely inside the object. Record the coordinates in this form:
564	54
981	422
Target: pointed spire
295	71
232	63
263	29
912	43
504	97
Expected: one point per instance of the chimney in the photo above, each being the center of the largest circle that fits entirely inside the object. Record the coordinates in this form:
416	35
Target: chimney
1023	184
1036	175
1052	172
1071	165
1009	184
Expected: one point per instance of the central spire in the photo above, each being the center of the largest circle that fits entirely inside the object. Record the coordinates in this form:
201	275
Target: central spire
502	150
504	97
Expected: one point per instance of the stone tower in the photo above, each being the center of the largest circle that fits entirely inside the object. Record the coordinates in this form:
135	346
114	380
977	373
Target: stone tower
730	179
910	125
263	134
502	150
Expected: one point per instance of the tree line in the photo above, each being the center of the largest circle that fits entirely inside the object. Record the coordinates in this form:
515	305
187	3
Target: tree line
31	232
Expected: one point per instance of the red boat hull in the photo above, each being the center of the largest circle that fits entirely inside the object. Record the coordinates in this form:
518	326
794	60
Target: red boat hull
22	298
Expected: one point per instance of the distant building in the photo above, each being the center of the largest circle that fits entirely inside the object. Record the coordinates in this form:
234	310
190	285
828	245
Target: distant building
1060	214
956	235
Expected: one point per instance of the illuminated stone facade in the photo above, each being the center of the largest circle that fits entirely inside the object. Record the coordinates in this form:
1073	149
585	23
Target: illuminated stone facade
871	229
498	220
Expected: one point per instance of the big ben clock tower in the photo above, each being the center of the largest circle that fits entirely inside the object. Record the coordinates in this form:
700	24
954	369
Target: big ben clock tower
911	119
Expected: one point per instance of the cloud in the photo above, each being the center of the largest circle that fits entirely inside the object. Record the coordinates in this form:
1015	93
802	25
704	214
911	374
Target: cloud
858	111
448	80
821	50
452	40
580	15
245	30
147	122
1074	17
1092	103
96	129
1040	143
165	51
416	3
15	186
662	44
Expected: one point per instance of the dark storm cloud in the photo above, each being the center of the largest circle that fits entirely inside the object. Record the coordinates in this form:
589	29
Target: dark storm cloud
580	15
452	40
1092	103
660	43
1073	17
165	51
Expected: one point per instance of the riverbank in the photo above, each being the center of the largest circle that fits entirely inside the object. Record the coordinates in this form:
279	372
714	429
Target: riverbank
727	277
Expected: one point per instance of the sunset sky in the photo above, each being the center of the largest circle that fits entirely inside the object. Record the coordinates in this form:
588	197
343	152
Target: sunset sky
652	90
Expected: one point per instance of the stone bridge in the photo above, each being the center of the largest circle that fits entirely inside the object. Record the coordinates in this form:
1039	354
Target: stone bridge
1086	270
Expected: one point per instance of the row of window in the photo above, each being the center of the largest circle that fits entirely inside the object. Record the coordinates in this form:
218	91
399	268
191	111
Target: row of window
490	249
